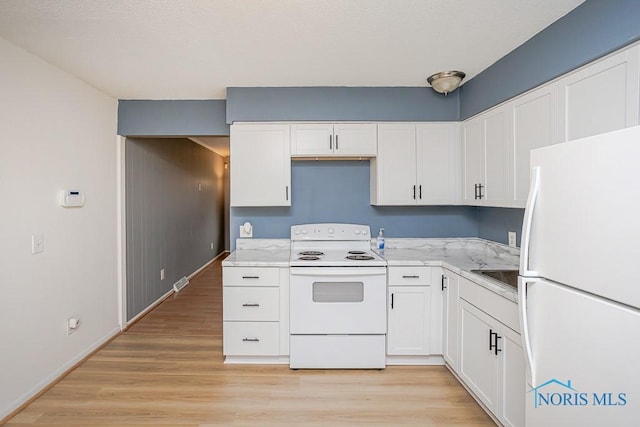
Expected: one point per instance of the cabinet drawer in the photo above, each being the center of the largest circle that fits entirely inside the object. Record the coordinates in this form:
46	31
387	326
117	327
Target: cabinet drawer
250	276
247	303
419	276
251	338
495	305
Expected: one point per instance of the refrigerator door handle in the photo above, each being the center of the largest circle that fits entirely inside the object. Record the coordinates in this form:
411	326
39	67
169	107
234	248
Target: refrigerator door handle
525	268
524	329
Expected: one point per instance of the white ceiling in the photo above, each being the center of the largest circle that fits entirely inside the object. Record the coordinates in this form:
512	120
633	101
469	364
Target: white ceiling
195	49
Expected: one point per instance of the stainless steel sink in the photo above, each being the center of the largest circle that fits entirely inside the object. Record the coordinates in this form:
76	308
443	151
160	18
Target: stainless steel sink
508	277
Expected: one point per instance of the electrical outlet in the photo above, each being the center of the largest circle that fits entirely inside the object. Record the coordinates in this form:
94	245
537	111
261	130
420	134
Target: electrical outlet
73	323
512	239
162	274
211	245
37	243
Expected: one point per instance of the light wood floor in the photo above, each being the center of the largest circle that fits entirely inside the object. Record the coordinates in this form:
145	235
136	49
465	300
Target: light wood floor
168	370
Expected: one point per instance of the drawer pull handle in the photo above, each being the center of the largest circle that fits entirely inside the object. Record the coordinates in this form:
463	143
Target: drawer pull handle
411	277
250	305
250	340
250	277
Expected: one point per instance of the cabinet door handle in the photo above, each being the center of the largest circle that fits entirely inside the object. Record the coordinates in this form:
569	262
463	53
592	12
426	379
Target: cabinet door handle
480	195
442	283
420	188
286	192
475	191
250	340
330	142
495	347
414	192
491	339
336	142
411	277
391	301
250	277
250	305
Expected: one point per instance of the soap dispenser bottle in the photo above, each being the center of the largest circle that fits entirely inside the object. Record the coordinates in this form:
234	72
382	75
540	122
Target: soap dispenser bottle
381	239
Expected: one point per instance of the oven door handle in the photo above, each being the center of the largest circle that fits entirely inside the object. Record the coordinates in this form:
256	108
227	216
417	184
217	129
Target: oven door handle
338	271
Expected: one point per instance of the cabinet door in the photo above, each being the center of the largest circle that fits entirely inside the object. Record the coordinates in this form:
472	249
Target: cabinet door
478	363
355	139
408	325
535	125
436	315
496	136
260	165
437	163
600	97
312	139
394	169
473	159
512	388
450	319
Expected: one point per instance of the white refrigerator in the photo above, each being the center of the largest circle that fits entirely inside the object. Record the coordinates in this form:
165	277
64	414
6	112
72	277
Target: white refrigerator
579	292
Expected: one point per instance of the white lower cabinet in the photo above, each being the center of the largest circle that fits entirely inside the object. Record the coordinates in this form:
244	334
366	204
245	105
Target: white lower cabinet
255	312
414	313
491	360
449	290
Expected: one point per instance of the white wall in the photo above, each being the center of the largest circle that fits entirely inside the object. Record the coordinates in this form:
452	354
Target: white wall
56	132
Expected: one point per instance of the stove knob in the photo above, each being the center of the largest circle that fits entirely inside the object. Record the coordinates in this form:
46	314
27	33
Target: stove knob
304	231
296	232
330	230
356	231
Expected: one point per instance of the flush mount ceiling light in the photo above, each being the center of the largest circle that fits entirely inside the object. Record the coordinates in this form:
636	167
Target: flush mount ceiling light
446	81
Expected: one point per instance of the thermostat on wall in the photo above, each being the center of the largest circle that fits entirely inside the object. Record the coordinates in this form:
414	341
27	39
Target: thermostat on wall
72	199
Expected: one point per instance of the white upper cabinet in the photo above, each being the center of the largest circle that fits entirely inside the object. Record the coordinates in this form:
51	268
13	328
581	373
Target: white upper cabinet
329	140
473	160
438	163
496	161
393	171
417	164
535	125
601	96
260	165
485	150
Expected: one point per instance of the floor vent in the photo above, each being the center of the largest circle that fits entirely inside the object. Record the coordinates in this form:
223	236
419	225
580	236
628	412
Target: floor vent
180	284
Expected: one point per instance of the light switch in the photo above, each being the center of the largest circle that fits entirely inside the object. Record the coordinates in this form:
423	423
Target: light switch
37	243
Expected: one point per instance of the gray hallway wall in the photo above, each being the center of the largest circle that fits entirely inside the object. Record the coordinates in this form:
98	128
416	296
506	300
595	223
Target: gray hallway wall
174	212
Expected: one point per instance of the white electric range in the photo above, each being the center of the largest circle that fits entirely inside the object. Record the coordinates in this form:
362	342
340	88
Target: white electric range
338	298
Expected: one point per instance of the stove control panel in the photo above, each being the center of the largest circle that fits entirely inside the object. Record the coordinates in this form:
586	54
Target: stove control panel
330	231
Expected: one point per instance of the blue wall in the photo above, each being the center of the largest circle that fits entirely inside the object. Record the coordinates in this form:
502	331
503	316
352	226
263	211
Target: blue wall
495	223
338	191
246	104
172	117
593	29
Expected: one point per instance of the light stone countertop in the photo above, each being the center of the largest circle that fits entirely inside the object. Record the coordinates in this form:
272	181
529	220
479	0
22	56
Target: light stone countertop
259	253
460	255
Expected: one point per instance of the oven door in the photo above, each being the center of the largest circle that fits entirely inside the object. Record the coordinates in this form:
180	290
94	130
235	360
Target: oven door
338	300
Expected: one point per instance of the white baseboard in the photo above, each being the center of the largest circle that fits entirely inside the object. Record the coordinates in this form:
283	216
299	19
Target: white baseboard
256	360
55	375
415	360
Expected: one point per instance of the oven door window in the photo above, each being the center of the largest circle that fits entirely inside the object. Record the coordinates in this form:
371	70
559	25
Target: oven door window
335	292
